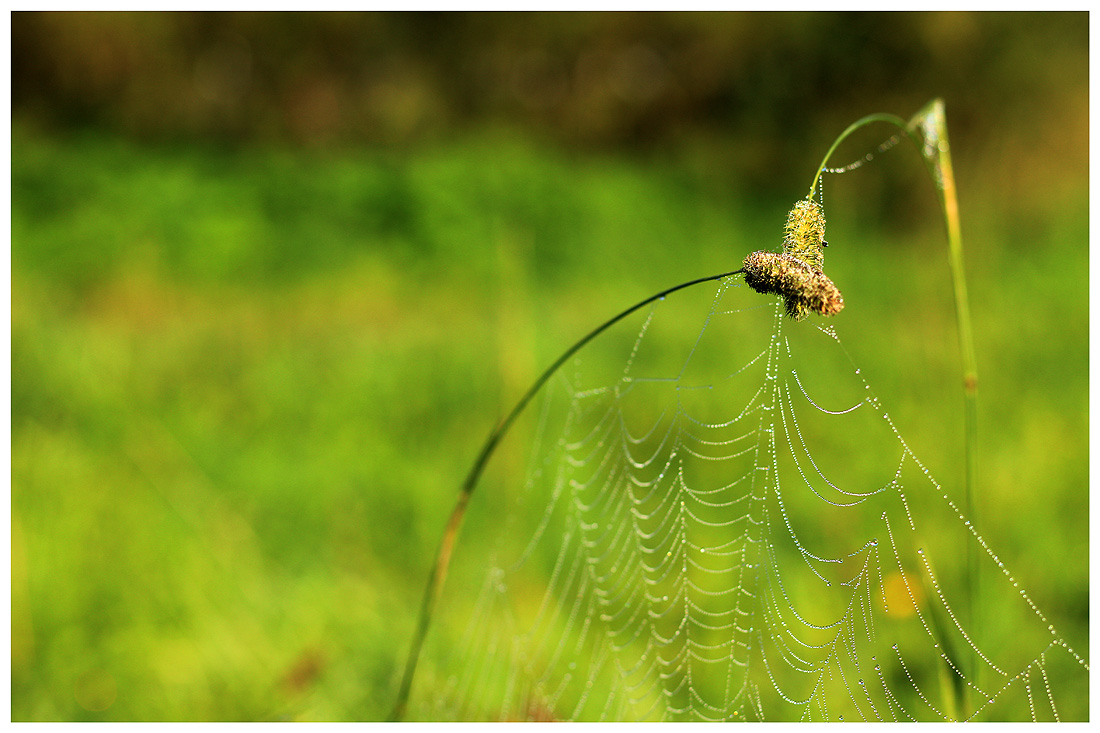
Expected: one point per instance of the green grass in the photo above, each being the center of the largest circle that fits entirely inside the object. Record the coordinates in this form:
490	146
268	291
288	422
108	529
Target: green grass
246	386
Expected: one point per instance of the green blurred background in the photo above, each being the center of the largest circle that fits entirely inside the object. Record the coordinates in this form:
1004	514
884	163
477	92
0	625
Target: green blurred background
275	276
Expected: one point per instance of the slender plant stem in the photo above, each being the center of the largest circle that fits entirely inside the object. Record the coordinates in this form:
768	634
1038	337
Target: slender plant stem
936	153
450	534
950	203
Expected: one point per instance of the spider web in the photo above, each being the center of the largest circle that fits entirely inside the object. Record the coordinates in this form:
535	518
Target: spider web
730	527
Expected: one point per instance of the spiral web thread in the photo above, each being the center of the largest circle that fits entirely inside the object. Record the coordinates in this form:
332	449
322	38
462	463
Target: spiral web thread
702	538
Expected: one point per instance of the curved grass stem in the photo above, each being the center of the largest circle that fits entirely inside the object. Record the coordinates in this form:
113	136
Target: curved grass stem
454	523
932	143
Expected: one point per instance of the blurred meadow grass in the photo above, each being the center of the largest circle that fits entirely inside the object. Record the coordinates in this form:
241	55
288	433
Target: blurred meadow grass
239	420
246	382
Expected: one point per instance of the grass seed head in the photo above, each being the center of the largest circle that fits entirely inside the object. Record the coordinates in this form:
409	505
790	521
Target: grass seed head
797	274
805	233
804	289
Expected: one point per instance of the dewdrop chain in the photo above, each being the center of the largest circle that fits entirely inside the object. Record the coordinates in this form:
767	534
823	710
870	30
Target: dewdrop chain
860	162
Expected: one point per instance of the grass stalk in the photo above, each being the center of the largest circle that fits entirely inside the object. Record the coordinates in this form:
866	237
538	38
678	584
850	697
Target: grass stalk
454	523
927	129
935	119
